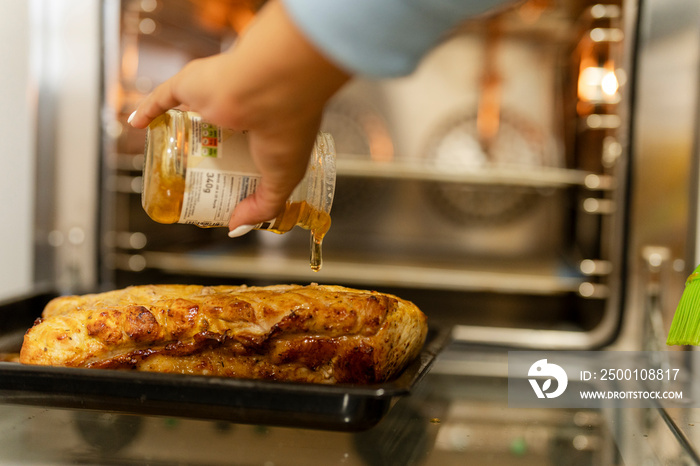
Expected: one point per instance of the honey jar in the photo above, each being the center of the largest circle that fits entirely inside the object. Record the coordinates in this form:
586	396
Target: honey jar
196	173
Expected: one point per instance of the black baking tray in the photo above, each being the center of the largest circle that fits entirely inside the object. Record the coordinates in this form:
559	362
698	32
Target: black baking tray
342	407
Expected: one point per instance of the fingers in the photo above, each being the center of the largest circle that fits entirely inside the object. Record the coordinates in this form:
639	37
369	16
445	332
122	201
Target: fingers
159	101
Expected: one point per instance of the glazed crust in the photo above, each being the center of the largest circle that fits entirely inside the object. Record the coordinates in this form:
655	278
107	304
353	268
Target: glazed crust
315	333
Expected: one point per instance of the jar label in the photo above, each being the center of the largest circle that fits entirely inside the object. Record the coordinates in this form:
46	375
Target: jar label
220	174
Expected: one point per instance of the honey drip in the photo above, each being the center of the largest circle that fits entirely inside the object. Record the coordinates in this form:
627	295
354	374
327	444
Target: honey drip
306	216
316	260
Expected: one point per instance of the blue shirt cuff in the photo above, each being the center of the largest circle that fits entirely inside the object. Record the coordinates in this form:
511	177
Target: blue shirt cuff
380	38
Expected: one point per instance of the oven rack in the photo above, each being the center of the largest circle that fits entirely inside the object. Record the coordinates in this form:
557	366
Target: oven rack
359	166
547	277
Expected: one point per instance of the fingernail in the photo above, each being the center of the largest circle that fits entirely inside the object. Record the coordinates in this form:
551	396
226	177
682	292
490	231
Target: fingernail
131	117
240	231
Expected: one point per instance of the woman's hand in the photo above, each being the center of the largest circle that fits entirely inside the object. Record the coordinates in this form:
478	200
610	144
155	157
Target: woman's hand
272	83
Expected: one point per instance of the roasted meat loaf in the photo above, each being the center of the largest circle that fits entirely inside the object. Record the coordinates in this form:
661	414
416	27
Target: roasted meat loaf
314	333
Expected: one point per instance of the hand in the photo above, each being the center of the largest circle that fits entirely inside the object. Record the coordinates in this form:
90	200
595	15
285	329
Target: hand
272	83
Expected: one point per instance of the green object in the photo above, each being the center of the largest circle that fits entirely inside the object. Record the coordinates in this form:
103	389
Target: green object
518	446
171	423
685	328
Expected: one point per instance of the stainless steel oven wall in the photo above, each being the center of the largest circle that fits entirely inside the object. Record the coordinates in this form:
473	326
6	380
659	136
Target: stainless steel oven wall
17	136
66	90
662	248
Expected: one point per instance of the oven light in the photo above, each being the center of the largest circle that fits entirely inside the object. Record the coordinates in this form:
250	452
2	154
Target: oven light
598	85
609	84
147	26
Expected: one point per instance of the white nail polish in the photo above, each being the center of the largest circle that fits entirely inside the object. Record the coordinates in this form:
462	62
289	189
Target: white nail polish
240	231
131	117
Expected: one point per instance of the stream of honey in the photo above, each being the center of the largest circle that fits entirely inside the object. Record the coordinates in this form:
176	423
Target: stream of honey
309	218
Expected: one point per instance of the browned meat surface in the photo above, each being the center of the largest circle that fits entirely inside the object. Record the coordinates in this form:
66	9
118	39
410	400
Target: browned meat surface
315	333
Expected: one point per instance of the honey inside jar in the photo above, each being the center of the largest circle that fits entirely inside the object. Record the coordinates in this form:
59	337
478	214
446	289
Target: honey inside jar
165	204
163	176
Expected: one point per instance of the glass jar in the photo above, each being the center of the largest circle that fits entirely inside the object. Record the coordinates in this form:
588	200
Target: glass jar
196	173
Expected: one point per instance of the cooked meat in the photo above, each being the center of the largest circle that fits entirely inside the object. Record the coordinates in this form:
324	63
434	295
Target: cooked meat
315	333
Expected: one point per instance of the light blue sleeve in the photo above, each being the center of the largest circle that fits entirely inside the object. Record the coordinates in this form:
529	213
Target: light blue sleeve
380	38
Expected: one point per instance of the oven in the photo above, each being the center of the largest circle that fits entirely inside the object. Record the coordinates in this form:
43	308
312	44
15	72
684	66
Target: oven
527	185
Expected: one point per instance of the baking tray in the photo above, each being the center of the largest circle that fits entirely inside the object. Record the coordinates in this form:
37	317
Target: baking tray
342	407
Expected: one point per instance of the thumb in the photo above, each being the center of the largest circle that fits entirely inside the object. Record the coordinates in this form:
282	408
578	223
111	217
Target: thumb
264	205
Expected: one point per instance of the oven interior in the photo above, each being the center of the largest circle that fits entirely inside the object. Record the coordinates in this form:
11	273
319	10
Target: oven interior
488	186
